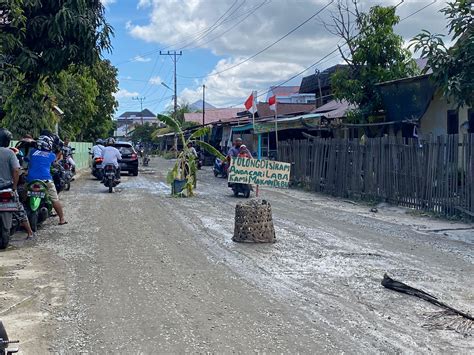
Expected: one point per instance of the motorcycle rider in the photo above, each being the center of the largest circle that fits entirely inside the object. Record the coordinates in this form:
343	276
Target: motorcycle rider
9	176
97	149
39	168
235	150
244	152
111	155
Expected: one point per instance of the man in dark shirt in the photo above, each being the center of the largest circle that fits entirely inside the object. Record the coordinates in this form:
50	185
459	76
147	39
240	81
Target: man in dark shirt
10	174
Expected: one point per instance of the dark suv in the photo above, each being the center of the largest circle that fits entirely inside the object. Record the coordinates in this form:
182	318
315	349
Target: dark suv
129	160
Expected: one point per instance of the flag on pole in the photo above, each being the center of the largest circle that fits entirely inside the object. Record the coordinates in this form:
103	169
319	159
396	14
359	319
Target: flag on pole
272	101
250	103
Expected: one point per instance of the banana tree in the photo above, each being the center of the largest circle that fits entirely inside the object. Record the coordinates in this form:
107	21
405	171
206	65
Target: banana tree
185	168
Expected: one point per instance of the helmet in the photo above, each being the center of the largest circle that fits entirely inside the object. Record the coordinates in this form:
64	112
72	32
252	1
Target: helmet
45	143
110	141
99	141
5	137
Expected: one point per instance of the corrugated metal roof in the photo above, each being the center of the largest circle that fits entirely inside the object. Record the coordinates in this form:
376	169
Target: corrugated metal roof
213	115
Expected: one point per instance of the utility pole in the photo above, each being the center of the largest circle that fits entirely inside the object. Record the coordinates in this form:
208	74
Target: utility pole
140	99
203	105
318	73
173	55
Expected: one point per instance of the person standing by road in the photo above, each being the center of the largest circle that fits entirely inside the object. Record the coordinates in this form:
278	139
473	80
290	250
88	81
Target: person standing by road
39	168
9	176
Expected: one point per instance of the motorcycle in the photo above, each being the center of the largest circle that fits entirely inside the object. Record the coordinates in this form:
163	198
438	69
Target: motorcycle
9	222
5	342
61	178
200	160
243	189
220	168
110	177
39	204
97	169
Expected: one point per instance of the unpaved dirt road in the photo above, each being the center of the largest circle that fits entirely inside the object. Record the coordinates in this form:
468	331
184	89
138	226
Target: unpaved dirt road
140	272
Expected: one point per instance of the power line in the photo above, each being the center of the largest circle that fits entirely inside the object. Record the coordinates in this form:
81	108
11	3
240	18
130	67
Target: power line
247	13
264	49
329	54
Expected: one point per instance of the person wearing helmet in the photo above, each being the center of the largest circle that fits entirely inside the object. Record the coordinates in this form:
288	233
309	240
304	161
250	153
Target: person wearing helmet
111	155
10	174
40	161
97	149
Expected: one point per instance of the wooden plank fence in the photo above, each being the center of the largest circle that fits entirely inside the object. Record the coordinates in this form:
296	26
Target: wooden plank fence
435	175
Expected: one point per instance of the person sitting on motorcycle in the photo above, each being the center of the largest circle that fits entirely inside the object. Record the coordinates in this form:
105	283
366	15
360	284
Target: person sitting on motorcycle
244	152
67	154
192	151
111	155
9	176
40	161
97	149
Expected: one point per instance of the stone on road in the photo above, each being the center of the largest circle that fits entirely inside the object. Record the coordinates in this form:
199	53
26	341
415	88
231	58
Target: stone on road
140	271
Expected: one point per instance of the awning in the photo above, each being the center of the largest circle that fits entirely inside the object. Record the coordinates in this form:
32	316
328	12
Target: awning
297	122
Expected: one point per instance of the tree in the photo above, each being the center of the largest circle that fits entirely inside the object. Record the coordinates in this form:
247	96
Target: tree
182	109
44	37
75	93
38	40
374	54
143	133
453	67
101	123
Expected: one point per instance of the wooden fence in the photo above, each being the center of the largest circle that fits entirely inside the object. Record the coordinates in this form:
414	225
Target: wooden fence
436	175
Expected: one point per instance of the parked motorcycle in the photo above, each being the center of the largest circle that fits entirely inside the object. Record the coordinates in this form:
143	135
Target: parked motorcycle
5	342
110	177
146	160
243	189
39	205
9	222
220	168
200	160
61	178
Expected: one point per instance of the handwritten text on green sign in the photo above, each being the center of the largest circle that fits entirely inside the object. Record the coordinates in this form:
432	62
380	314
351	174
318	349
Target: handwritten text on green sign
259	172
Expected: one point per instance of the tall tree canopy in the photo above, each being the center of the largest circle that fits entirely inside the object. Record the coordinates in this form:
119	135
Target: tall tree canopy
42	37
373	53
453	68
40	41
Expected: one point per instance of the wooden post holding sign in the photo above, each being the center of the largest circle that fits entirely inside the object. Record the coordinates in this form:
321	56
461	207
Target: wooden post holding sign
259	172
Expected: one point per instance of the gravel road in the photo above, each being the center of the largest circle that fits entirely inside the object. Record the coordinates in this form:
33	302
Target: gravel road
140	272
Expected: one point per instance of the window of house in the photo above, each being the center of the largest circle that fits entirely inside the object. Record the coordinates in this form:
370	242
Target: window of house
470	119
453	122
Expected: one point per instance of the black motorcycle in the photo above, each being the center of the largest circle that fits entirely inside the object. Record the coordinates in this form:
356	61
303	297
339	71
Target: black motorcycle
110	178
238	189
61	178
5	342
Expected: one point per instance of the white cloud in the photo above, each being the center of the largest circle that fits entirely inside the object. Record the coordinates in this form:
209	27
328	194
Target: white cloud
156	80
107	2
124	93
244	30
139	58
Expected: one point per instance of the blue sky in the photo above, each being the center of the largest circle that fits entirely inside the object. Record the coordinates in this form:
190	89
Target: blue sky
217	35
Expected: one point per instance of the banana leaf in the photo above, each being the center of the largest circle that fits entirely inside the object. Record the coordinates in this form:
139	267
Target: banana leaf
210	149
199	133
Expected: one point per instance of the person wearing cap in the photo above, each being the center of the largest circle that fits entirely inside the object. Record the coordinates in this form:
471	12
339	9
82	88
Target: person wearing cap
235	150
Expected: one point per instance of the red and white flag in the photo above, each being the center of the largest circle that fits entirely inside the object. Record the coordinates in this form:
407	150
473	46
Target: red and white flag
250	103
272	101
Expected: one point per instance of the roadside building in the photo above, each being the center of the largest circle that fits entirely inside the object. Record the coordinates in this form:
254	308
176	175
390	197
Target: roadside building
290	95
319	84
128	120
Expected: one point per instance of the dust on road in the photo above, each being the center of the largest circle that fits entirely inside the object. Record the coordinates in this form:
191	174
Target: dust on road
139	270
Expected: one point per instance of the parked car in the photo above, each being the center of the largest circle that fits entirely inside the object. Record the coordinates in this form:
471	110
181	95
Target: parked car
129	162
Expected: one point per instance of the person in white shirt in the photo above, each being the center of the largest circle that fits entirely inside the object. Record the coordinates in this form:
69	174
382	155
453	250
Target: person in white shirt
97	149
111	155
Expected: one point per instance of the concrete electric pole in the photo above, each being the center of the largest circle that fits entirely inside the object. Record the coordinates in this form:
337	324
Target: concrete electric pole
174	55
